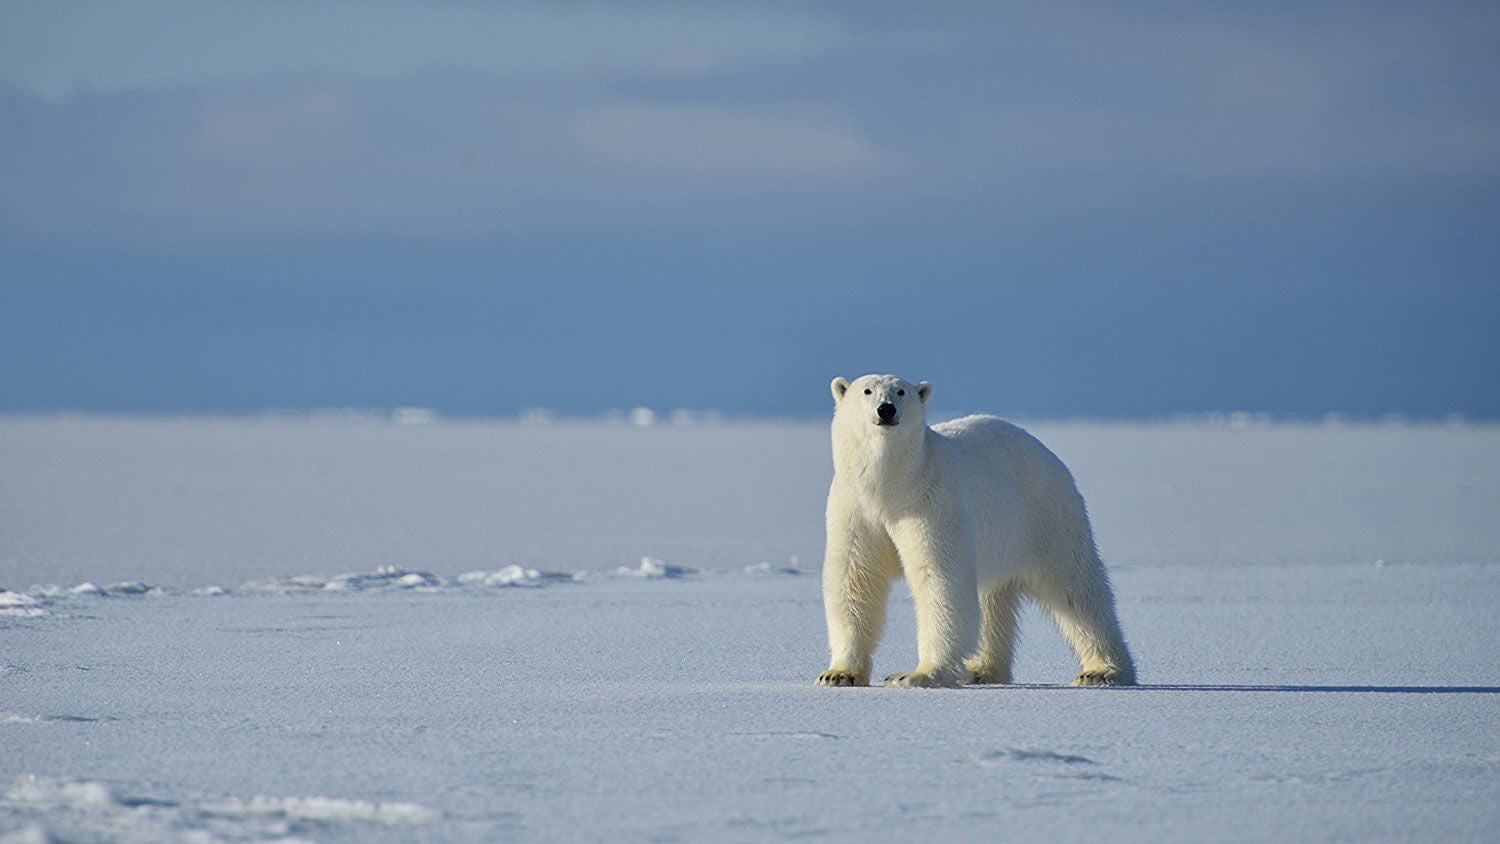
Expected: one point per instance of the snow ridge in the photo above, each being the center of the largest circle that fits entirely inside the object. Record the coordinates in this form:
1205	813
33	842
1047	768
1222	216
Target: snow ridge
21	605
39	600
76	808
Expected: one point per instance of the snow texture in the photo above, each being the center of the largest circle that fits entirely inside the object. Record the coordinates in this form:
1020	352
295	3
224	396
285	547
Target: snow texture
1312	609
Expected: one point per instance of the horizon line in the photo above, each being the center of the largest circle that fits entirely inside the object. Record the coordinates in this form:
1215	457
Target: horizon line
647	417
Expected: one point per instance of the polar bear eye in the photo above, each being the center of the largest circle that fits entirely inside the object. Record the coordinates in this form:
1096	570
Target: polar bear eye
867	391
900	392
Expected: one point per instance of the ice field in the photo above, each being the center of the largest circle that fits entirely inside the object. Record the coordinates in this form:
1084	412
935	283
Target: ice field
248	629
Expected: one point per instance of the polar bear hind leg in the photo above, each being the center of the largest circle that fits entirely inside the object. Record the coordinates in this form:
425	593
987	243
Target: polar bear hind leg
997	637
1079	599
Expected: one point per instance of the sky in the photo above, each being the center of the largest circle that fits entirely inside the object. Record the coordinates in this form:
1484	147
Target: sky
1045	209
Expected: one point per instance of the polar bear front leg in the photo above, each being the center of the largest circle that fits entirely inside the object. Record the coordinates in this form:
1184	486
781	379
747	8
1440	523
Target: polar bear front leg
938	560
857	574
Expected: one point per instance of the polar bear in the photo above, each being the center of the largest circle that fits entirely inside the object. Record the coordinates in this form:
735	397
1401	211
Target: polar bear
975	514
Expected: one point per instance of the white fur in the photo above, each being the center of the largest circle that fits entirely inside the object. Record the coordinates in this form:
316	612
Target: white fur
975	514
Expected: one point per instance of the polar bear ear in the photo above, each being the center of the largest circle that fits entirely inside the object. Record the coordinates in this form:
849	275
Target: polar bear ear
924	391
839	387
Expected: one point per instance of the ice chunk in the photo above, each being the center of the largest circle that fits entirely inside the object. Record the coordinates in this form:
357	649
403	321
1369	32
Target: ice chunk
9	600
322	809
53	793
285	584
512	576
773	568
653	568
385	577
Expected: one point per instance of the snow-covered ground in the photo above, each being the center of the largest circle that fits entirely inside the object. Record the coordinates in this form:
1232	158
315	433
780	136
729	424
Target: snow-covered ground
260	629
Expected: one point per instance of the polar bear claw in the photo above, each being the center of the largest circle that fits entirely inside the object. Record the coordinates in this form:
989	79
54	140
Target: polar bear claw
1101	677
913	680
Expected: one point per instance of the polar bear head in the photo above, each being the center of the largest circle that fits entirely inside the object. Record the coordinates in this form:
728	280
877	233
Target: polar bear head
883	403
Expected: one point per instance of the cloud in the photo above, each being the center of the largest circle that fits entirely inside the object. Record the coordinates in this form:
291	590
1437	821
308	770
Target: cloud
234	120
719	145
59	50
323	156
280	125
1326	91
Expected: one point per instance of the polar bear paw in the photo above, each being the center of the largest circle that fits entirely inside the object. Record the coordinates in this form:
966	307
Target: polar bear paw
1103	677
986	675
989	676
840	677
916	680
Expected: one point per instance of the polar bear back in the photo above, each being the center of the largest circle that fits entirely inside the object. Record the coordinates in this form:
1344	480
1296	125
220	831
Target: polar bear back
1023	506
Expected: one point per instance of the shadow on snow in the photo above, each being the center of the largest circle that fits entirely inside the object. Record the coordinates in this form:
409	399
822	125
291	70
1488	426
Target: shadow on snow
1218	687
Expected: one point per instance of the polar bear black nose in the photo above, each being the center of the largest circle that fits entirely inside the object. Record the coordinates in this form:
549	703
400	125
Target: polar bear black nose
886	412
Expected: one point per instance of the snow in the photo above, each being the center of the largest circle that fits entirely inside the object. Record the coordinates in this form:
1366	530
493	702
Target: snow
94	810
1312	610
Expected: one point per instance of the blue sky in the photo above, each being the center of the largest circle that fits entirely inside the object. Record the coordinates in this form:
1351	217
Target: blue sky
1046	209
